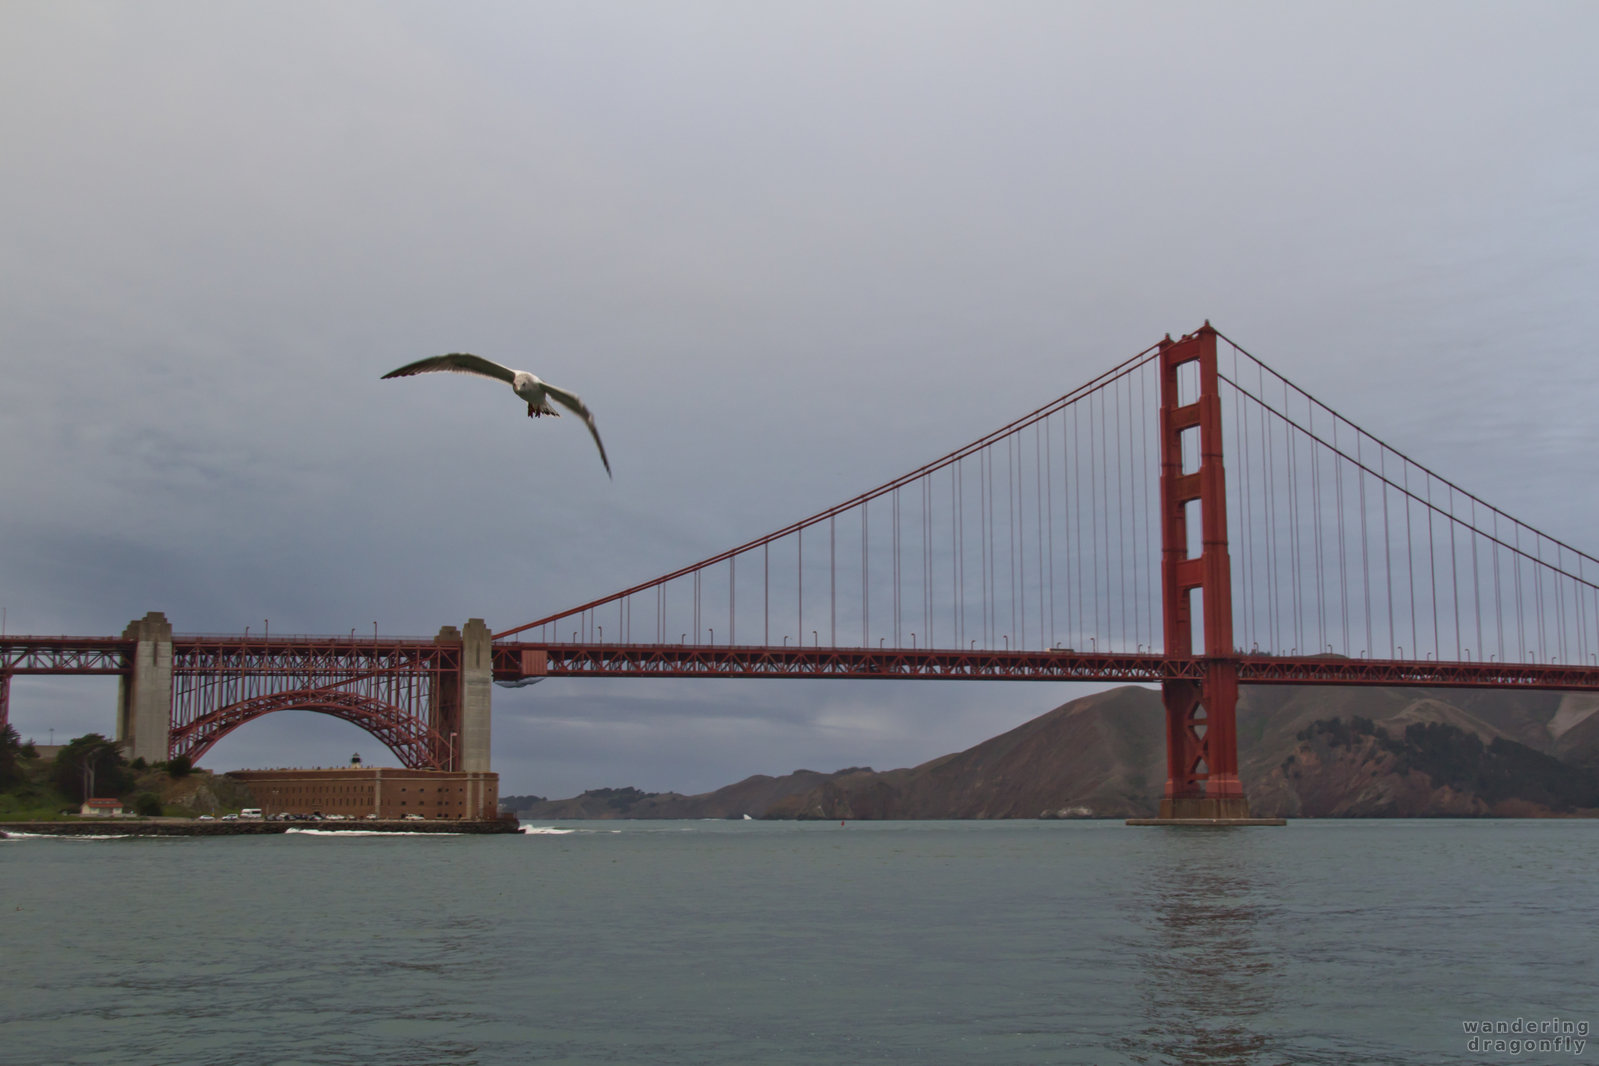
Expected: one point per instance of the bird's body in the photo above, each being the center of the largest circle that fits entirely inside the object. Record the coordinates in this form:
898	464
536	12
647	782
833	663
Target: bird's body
534	391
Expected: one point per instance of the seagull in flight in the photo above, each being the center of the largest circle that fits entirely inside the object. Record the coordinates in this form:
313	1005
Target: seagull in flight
529	387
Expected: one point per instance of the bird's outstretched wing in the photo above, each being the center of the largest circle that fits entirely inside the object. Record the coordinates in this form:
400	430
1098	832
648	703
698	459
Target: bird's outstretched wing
456	363
578	407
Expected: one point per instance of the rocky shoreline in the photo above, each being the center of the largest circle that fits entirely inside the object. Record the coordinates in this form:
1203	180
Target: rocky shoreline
182	827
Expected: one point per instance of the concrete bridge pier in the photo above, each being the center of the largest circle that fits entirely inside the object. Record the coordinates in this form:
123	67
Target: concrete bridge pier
461	706
144	697
477	692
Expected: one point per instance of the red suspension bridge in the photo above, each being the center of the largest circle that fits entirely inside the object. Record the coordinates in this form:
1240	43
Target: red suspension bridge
1189	518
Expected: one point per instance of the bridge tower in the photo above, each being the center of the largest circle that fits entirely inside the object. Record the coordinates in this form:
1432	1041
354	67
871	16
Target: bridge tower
1201	732
460	712
144	698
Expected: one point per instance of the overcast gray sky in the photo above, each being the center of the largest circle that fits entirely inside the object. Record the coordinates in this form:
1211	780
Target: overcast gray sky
786	252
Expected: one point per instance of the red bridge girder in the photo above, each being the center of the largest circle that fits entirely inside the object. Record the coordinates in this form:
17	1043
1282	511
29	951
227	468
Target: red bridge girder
411	740
388	687
65	655
522	661
518	661
1424	673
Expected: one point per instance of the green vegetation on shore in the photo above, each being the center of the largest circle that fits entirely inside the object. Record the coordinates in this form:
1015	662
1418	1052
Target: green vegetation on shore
36	790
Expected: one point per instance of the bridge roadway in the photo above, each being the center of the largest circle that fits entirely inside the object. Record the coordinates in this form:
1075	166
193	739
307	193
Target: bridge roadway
517	661
428	700
514	661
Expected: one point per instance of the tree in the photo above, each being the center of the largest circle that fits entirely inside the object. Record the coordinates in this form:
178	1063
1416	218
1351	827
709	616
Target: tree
92	761
11	753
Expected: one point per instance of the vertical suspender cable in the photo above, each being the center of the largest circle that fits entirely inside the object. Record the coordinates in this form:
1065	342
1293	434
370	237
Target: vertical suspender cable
1143	492
1365	538
1013	525
1521	628
954	560
1297	571
1536	566
1121	532
1270	516
1343	573
1499	612
1038	516
1077	514
1432	568
1049	499
1316	512
1387	554
1241	417
866	621
1454	571
1102	505
832	582
1410	559
1093	515
1476	577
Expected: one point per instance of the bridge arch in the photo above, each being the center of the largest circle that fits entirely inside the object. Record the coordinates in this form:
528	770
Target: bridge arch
414	743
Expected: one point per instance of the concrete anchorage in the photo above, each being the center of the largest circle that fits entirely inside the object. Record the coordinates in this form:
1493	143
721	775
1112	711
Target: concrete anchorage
144	697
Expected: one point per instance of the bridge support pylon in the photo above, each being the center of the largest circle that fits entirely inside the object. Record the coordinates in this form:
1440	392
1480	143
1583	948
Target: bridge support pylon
461	711
144	704
1202	783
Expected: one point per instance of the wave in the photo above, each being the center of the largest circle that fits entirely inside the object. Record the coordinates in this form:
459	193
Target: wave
12	834
360	832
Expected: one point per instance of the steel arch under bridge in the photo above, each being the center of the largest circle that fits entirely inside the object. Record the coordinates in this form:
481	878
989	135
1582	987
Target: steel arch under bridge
399	691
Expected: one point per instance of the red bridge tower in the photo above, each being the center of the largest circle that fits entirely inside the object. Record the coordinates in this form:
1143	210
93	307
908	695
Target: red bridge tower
1201	733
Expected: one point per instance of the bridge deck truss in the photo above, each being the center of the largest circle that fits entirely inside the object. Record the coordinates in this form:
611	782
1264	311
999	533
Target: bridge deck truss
389	688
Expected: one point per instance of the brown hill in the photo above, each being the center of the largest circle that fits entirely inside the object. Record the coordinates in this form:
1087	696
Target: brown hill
752	796
1099	755
1357	768
1103	756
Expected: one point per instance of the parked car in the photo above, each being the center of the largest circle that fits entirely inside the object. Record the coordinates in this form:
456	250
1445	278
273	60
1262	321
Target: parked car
205	818
414	818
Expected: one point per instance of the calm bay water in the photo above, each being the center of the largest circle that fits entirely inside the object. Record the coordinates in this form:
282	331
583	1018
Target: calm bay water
755	942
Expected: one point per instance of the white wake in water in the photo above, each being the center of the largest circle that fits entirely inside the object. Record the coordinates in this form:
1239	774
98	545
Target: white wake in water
360	833
12	834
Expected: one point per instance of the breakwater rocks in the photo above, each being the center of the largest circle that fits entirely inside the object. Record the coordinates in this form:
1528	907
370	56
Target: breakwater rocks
180	827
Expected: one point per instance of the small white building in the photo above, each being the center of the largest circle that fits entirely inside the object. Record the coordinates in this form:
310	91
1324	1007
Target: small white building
104	808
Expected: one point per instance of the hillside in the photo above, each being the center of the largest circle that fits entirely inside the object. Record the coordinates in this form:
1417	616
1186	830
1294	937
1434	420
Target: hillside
753	796
1357	769
1103	756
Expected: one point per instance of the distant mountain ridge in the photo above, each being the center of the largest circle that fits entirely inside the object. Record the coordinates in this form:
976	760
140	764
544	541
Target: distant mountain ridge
1509	753
753	796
